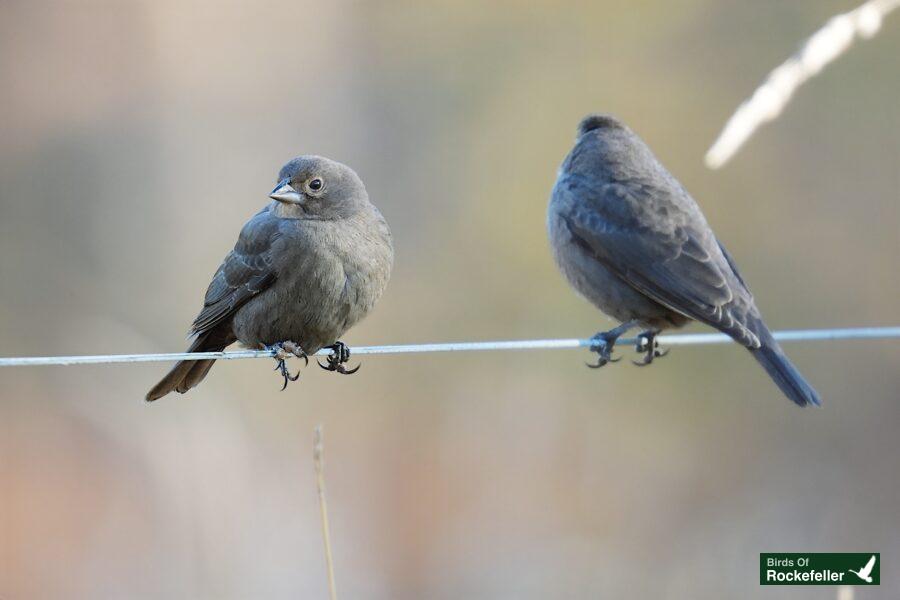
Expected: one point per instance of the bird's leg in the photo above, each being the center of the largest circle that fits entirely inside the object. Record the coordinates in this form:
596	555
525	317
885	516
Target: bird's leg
340	354
647	344
603	341
283	351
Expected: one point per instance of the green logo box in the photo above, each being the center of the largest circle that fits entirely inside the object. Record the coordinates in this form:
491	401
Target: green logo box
825	568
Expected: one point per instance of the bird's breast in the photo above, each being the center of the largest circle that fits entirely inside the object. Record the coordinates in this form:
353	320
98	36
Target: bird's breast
328	278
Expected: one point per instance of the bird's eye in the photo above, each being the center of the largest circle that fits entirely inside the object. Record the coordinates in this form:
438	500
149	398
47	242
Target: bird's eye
316	184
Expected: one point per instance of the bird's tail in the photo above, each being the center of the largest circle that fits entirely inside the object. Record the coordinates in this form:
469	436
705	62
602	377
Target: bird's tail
781	370
188	373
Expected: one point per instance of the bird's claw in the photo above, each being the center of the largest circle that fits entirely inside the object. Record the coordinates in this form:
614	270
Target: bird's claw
650	347
340	354
281	366
295	350
603	349
338	368
283	351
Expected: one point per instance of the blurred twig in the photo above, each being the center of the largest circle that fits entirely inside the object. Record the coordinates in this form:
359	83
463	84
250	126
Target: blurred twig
772	96
845	592
318	459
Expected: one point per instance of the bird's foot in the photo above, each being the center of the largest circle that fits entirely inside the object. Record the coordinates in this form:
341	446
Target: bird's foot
340	354
283	351
603	342
646	343
602	345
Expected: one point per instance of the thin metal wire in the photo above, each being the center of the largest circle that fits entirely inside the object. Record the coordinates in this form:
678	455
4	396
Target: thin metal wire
688	339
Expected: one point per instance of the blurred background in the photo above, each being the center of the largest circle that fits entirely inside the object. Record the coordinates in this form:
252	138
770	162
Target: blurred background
137	137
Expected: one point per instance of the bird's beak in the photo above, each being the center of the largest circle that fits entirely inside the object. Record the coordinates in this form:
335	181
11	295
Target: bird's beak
283	192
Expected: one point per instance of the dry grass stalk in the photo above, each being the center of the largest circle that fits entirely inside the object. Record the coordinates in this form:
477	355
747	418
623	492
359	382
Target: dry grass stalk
769	99
318	459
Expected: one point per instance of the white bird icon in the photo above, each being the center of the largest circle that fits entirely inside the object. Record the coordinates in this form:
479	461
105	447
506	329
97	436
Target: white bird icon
866	572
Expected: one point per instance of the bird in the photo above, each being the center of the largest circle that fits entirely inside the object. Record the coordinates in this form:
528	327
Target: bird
305	269
866	572
630	239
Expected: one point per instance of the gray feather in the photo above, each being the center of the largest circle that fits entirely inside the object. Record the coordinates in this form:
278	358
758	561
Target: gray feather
632	240
301	272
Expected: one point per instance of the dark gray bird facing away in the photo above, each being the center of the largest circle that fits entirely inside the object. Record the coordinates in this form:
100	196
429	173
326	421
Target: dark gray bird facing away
631	240
305	269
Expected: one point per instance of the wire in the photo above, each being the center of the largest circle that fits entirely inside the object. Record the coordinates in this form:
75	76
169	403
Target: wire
689	339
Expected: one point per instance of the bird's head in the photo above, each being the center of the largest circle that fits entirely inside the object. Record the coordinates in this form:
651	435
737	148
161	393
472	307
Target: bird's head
604	147
597	121
315	187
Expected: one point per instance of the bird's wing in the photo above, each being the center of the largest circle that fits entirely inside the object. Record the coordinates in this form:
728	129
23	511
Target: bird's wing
867	570
245	272
655	238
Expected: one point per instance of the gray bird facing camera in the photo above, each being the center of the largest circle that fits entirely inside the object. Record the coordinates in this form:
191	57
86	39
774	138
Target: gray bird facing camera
305	269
